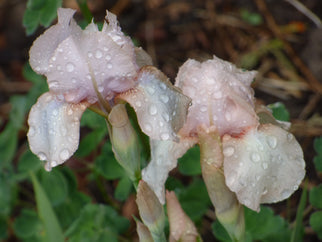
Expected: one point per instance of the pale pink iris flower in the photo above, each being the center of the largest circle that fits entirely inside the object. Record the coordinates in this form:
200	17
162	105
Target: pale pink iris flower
263	162
85	67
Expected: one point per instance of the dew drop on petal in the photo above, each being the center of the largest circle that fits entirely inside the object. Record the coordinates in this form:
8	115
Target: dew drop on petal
58	67
109	66
100	88
42	156
31	131
264	165
48	166
70	67
98	54
138	104
108	57
272	142
150	90
89	54
228	116
163	86
64	154
153	110
53	163
217	95
148	127
74	80
289	137
265	191
203	109
255	157
164	99
165	136
166	117
229	151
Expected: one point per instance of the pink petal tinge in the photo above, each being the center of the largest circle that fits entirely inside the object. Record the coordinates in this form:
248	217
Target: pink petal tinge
54	129
221	96
263	166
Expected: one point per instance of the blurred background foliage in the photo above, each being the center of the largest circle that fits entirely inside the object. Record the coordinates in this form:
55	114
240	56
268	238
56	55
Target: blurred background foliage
90	198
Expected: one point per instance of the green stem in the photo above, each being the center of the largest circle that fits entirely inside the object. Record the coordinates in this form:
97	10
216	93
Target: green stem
85	11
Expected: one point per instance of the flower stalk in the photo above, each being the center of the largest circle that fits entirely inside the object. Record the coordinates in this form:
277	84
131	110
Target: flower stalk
228	210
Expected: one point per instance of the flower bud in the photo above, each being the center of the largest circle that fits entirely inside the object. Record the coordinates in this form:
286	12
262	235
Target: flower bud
181	226
124	141
151	211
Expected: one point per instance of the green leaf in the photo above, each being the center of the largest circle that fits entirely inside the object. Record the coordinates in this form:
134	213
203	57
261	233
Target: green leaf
220	232
18	110
194	199
315	196
189	164
97	223
318	145
251	18
3	228
92	120
279	111
46	214
265	226
316	223
8	192
8	145
68	211
28	162
318	162
40	12
298	231
90	142
123	189
55	186
106	164
27	224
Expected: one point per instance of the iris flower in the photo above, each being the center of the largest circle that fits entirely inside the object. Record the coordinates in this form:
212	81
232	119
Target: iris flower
261	161
89	67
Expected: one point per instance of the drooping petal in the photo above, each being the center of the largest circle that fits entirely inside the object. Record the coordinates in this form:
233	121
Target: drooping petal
164	157
92	60
263	166
221	96
45	45
54	129
181	226
160	108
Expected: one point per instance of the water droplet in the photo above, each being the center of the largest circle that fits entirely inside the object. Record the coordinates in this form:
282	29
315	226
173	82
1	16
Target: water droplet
285	193
58	67
255	157
31	131
55	112
289	137
70	67
148	127
53	163
89	54
163	86
64	154
98	54
295	187
108	57
166	117
215	118
100	89
217	95
164	98
37	68
228	116
60	50
153	110
203	109
264	165
257	177
42	156
161	124
109	66
53	58
150	90
165	136
74	80
63	131
265	191
138	104
229	151
105	48
272	142
48	166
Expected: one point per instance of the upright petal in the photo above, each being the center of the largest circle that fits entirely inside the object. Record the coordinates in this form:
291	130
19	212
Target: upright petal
45	45
160	107
221	96
164	157
263	166
54	129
